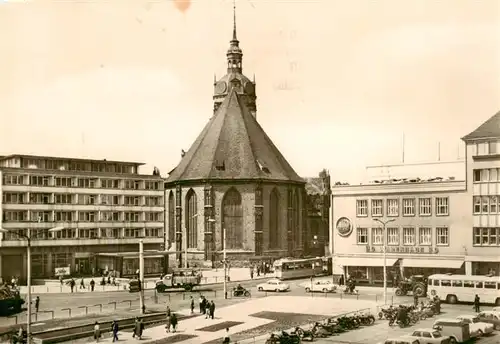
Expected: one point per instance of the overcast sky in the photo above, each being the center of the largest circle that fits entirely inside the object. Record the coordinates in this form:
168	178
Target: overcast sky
133	80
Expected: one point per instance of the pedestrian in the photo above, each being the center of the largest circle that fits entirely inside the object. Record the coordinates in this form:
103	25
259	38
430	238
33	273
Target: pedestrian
61	280
109	279
477	303
97	331
192	305
251	272
212	309
37	303
173	321
341	280
201	301
415	299
138	328
72	284
167	323
114	329
207	309
92	284
226	337
82	284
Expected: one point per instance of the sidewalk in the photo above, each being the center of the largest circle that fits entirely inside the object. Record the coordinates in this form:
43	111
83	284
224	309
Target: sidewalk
214	276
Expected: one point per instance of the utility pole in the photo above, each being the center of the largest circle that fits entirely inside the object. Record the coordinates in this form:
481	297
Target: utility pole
141	275
384	233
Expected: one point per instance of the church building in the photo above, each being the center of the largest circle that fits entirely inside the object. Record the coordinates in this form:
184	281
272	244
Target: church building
233	187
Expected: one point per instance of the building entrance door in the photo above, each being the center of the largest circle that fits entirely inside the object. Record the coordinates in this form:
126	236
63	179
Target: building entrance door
82	266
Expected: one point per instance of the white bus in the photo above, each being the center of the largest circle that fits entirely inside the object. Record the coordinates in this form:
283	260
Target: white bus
463	288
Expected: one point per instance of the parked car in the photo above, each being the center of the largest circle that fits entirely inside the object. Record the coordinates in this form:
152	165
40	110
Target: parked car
430	336
319	286
273	285
458	330
476	327
401	340
490	318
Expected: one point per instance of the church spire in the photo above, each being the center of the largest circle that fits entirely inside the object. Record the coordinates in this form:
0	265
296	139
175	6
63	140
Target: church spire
234	21
234	53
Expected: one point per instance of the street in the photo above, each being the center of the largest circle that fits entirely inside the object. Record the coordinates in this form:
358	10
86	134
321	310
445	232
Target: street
59	303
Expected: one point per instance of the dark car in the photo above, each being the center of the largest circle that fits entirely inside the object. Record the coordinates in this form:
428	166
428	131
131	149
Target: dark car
490	318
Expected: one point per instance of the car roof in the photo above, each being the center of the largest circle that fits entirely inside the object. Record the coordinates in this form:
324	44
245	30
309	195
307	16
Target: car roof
467	316
425	329
447	320
274	280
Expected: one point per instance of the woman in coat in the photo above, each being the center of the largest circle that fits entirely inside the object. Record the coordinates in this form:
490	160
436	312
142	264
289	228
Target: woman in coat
97	331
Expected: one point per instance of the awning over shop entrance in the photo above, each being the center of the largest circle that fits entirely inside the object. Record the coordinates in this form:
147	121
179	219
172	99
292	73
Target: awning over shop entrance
433	263
363	261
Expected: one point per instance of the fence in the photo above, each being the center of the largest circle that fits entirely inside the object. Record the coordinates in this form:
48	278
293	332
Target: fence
121	285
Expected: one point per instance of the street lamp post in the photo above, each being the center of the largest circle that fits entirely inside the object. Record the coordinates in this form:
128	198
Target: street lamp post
27	236
225	263
384	240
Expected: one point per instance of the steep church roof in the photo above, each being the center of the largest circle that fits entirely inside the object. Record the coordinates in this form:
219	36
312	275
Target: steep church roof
233	146
488	130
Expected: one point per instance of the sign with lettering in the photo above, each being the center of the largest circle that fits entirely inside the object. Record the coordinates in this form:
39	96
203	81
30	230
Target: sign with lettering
344	227
403	249
62	271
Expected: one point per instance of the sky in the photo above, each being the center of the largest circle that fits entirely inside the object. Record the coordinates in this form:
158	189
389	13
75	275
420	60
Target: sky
338	82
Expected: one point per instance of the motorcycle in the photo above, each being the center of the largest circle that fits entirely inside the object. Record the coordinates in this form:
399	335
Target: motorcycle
321	331
283	338
365	319
241	292
306	335
386	313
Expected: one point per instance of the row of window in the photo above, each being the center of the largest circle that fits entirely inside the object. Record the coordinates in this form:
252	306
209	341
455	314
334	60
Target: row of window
486	236
81	216
83	199
486	204
81	182
67	165
487	148
86	233
485	175
464	284
408	207
408	236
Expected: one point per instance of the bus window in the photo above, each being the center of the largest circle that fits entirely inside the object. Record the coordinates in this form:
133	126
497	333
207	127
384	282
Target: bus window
436	283
457	283
445	283
479	284
468	284
429	282
490	285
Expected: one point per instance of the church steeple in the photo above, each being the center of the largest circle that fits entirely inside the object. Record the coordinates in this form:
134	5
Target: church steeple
234	53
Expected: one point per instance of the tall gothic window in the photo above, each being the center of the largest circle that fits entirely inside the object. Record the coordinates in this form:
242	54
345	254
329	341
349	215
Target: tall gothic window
171	217
296	217
274	216
232	220
191	220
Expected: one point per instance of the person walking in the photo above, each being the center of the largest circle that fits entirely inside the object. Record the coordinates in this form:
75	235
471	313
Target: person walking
114	330
138	328
92	284
97	331
192	305
173	322
207	309
212	309
477	303
72	284
251	272
82	284
37	304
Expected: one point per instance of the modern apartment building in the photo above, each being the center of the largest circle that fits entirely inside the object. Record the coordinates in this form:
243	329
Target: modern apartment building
432	224
101	207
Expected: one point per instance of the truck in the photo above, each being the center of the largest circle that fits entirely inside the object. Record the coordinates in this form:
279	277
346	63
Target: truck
10	300
179	278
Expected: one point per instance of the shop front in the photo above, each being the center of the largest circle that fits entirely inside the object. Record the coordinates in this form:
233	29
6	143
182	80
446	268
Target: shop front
368	270
483	265
127	264
431	266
